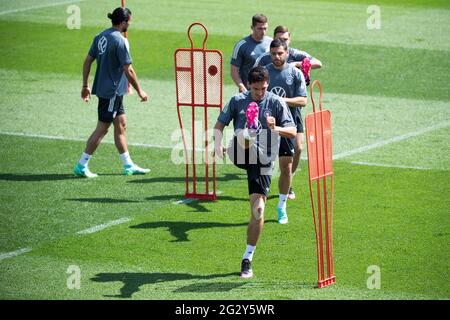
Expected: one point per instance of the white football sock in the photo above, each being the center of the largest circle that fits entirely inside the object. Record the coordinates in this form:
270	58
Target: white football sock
248	254
282	201
84	159
126	159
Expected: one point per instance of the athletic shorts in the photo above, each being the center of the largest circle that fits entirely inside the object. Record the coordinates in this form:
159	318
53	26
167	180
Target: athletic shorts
287	147
108	109
297	116
257	181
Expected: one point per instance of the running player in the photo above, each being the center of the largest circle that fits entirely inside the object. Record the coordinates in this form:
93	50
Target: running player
257	155
287	82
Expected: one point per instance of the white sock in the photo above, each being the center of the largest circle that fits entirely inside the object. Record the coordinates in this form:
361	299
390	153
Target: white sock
282	201
248	254
126	159
84	159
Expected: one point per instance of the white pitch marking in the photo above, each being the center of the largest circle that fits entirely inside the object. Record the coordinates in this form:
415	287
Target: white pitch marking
391	140
391	166
43	136
14	253
104	226
184	201
39	7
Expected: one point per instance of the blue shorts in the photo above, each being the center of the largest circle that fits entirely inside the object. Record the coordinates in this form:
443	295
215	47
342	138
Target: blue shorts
108	109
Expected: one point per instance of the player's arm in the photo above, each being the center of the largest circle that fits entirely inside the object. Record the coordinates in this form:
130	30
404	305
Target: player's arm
296	101
287	132
219	150
86	91
237	78
316	63
132	78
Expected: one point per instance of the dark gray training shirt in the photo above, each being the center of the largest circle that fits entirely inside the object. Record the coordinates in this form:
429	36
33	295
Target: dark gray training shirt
286	83
111	51
294	55
246	52
272	105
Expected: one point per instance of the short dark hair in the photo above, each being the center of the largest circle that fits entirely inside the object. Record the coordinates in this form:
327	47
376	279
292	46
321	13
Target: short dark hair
258	18
280	29
119	15
278	43
258	74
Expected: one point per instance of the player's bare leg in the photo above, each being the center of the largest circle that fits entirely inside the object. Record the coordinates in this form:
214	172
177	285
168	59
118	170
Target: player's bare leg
254	230
129	167
284	184
298	152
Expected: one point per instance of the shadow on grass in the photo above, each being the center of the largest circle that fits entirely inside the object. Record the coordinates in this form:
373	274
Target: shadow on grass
36	177
182	179
180	229
195	204
132	281
103	200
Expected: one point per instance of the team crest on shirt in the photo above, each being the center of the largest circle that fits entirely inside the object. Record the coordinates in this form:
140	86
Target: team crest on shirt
279	91
102	44
290	79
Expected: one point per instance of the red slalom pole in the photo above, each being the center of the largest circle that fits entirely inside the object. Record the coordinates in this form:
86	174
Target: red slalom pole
320	167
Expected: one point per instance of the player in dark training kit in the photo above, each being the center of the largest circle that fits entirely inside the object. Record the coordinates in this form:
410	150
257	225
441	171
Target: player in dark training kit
256	153
111	51
287	82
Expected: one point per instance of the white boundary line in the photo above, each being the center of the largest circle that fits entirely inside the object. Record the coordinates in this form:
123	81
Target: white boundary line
39	7
44	136
391	140
14	253
370	164
103	226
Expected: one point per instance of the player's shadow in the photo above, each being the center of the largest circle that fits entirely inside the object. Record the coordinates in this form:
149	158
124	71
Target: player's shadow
180	229
195	204
36	177
102	200
133	281
182	179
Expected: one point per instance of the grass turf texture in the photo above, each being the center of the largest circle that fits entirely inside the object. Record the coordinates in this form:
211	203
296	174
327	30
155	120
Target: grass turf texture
395	218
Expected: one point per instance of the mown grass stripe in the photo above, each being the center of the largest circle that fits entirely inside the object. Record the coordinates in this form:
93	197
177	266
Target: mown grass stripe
60	3
370	164
103	226
44	136
13	254
389	141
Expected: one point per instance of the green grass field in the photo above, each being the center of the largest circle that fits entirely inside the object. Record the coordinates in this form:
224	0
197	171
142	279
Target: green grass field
388	93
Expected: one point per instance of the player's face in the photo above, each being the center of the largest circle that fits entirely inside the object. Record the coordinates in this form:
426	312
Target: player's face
260	30
286	37
126	24
258	90
279	56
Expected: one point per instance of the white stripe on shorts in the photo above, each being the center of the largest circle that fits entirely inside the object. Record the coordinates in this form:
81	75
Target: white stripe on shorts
111	104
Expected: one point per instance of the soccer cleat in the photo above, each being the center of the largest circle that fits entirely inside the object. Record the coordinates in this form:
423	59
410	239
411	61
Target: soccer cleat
291	194
83	171
246	269
251	115
129	170
282	216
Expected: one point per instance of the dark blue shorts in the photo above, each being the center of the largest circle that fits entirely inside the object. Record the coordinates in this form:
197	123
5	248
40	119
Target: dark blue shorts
257	180
108	109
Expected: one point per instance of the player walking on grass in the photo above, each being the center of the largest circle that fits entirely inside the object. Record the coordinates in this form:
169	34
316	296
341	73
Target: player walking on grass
296	58
254	152
287	82
248	49
111	50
